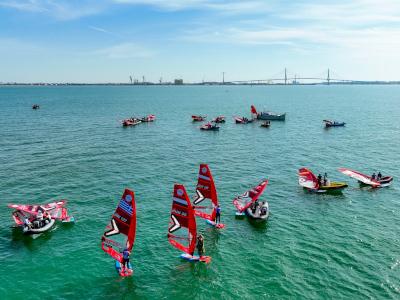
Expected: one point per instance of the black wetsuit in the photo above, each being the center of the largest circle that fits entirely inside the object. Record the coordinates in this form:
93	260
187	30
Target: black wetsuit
218	215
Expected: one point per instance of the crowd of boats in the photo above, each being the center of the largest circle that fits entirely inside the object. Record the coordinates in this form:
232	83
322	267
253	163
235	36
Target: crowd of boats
119	235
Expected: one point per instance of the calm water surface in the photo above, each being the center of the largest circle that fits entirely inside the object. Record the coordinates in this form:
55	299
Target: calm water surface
312	247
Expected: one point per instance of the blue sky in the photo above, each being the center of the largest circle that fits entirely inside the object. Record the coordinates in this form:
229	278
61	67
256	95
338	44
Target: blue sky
109	40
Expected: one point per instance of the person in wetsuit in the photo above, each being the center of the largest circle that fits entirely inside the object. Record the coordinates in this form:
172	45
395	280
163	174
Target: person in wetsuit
218	215
319	178
373	176
200	245
125	258
325	179
379	176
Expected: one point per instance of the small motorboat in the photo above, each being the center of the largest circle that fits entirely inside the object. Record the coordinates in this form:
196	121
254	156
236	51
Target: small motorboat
266	124
219	119
209	126
35	106
242	120
27	216
198	118
38	226
149	118
258	211
131	122
267	115
311	183
364	180
248	203
330	123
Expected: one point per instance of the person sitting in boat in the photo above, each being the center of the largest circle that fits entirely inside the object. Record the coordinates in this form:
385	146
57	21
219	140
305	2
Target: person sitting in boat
46	217
39	217
263	210
218	215
27	223
379	177
373	176
200	245
125	258
319	178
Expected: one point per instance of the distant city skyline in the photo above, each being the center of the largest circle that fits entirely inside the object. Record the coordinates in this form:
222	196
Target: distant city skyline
110	40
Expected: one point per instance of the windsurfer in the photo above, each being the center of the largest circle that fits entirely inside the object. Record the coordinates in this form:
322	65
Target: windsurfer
218	215
125	258
200	245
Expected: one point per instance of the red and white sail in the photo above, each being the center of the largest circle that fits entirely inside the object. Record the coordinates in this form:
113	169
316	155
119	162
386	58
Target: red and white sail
182	226
56	210
307	179
121	231
248	198
206	200
359	176
254	112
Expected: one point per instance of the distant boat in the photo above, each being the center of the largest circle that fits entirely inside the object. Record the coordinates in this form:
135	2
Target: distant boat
267	115
131	122
368	180
330	123
149	118
209	126
198	118
219	119
35	106
311	183
242	120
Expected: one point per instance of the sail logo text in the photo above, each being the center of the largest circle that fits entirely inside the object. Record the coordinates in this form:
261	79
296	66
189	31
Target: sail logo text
179	212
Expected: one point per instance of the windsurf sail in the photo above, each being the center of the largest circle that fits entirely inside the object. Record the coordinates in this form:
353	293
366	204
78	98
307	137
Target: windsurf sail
57	210
253	110
182	226
244	201
206	200
121	231
358	176
307	179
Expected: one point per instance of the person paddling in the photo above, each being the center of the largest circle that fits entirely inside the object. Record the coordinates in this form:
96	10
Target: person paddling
200	245
218	215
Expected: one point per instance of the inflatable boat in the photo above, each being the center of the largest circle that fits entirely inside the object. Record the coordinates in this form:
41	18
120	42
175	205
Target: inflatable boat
258	211
35	230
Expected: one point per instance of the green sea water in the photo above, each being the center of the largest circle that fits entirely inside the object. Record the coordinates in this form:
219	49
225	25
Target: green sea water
312	247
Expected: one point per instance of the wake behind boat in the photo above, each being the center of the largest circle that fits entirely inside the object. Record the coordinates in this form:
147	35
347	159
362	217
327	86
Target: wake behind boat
267	115
318	184
248	203
374	181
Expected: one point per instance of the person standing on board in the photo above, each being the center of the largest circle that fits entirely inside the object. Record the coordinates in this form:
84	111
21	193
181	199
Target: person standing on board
325	179
125	258
218	215
373	176
200	245
379	176
319	178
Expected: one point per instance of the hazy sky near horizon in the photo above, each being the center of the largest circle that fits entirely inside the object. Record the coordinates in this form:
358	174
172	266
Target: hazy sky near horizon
109	40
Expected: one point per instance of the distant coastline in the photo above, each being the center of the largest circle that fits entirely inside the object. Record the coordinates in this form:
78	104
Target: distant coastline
198	83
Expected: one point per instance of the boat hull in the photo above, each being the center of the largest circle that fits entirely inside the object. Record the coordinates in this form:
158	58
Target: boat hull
256	215
271	117
45	228
384	182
